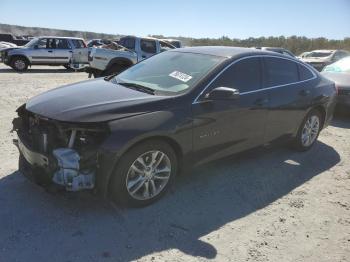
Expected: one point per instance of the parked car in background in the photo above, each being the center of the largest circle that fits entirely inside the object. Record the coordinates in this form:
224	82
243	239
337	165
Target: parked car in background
103	61
280	50
6	45
321	58
303	55
128	135
46	50
13	39
339	72
174	42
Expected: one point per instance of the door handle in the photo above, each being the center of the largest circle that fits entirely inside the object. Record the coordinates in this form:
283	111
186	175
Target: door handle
143	56
304	92
70	51
261	101
50	51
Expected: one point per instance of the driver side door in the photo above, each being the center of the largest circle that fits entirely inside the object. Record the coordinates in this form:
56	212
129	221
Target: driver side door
43	52
223	127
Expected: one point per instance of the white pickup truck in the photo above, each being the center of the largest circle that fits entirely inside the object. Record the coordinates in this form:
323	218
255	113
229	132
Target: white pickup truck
108	61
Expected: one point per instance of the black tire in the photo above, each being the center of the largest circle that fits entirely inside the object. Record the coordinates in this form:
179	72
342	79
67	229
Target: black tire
19	63
68	67
298	140
118	185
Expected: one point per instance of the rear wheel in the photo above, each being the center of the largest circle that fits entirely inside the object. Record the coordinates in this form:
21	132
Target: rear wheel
144	174
19	63
308	131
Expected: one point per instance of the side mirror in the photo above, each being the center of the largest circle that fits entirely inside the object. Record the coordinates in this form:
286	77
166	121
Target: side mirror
36	47
223	93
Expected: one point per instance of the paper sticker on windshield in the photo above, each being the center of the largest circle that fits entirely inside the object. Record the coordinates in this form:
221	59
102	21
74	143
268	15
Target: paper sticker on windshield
180	76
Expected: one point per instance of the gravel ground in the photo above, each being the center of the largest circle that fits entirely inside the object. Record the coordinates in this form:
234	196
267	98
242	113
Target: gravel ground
268	205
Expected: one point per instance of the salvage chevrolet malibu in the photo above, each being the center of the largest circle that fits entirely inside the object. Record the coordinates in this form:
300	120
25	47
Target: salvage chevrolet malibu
127	136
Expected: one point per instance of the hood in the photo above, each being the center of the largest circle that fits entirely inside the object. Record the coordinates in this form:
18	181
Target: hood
10	48
342	80
92	101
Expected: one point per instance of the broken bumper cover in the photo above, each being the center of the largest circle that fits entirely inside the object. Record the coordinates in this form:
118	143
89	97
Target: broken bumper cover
61	169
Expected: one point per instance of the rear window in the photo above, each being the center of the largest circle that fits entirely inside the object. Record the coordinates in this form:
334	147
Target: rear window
280	71
304	73
128	43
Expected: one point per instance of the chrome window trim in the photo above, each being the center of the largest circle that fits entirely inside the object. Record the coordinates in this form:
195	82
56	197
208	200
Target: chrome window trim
314	76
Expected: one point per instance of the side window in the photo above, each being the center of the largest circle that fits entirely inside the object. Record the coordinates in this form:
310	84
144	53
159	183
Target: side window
304	73
245	76
78	43
42	43
279	71
148	46
128	42
62	44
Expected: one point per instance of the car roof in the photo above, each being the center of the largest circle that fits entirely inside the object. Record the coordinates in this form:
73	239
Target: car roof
224	51
324	51
61	37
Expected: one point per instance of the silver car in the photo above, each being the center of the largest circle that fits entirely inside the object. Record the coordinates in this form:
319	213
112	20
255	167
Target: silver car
48	50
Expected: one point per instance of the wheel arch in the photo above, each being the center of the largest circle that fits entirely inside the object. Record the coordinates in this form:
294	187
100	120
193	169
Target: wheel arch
19	55
322	110
122	61
167	139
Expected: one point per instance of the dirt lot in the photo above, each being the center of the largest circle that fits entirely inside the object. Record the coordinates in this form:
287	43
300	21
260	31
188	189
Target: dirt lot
269	205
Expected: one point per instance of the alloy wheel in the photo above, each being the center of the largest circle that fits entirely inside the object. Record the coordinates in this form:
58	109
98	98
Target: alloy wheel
310	130
148	175
20	64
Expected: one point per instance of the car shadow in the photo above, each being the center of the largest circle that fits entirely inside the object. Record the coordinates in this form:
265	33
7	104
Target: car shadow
38	70
81	227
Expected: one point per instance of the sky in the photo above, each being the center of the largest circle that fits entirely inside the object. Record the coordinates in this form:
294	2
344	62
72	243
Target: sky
191	18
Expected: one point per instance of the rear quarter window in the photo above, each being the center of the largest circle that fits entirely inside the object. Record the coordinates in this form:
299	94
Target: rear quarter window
304	73
279	71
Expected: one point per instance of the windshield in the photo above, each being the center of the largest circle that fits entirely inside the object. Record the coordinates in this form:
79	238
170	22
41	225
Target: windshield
31	42
319	54
170	72
340	66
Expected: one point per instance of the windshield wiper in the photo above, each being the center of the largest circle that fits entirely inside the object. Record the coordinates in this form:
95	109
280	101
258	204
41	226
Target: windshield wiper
138	87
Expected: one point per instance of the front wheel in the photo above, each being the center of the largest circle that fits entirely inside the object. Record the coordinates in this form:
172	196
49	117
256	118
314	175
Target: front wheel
144	174
19	64
308	131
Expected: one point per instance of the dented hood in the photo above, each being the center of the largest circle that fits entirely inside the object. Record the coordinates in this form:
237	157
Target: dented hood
91	101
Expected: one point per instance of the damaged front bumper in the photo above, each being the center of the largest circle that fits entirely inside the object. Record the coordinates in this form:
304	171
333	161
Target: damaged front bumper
61	154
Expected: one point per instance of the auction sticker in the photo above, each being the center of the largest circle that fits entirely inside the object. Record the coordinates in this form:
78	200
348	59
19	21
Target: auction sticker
180	76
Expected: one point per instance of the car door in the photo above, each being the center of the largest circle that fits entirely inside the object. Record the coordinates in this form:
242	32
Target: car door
224	127
289	94
43	52
148	47
63	51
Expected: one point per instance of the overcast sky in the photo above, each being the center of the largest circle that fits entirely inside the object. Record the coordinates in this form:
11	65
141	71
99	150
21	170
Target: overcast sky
196	18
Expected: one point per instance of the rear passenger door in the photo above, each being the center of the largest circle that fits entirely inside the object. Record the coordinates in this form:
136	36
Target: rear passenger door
289	93
63	51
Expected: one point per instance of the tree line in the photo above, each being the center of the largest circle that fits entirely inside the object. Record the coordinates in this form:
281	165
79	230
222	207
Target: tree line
296	44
